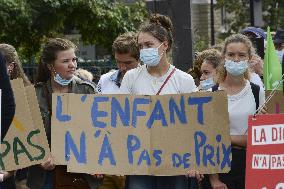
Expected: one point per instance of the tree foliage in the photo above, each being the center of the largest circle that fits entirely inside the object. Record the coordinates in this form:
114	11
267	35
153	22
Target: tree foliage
238	16
27	23
273	13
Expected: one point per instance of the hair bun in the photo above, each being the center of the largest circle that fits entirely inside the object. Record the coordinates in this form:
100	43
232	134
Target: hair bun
162	20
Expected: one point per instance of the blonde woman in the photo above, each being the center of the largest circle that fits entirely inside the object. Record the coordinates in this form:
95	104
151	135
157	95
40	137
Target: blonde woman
244	98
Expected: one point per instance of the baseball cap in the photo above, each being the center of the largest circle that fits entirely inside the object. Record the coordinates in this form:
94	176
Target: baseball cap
279	36
256	31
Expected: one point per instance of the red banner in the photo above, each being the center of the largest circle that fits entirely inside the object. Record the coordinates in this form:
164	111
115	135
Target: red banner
265	152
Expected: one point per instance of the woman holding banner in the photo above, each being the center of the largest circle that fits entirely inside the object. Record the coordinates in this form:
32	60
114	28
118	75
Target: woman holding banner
7	114
244	98
156	77
56	75
14	70
7	99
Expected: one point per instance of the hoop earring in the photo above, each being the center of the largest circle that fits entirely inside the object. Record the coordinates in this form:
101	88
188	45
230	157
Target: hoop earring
10	71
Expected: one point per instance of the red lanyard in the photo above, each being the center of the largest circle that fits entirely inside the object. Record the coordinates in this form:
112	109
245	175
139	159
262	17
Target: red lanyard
166	81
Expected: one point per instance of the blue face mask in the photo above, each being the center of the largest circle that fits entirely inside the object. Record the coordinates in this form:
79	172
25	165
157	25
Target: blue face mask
207	84
150	56
280	55
236	68
64	82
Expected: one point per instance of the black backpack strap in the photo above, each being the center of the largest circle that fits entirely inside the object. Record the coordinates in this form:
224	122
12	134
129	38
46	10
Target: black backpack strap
255	91
215	88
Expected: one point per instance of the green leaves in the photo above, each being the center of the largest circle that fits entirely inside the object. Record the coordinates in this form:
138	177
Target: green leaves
238	14
27	23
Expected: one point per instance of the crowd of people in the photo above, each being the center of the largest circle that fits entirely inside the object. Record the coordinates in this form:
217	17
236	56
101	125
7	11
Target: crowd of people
144	68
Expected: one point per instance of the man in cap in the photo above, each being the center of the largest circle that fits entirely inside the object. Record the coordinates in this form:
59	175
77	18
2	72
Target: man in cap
257	37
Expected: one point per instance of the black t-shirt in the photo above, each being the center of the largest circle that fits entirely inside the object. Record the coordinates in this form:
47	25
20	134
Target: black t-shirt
8	103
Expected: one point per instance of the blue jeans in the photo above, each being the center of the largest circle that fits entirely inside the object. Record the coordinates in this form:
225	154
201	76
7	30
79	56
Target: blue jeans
157	182
48	184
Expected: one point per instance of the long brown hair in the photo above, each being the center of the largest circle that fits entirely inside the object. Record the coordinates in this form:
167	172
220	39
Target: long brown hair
49	55
11	56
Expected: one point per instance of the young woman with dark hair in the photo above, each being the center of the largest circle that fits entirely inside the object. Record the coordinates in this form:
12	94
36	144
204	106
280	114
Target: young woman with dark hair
156	77
56	75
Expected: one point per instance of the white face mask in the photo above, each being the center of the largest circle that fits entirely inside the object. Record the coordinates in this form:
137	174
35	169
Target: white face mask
61	81
207	83
236	68
64	82
150	56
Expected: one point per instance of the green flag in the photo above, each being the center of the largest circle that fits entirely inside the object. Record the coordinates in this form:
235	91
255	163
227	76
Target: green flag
272	71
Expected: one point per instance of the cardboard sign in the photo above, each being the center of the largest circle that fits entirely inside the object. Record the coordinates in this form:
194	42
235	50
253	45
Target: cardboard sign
25	143
141	135
276	104
265	152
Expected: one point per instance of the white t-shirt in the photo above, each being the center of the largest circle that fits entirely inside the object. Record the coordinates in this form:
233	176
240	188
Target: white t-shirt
108	83
254	78
138	81
240	106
